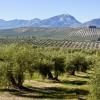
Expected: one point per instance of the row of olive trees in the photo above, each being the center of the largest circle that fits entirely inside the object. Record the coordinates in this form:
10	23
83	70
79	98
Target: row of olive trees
17	60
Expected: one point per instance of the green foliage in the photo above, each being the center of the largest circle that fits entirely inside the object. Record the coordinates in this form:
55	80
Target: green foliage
17	60
45	70
59	66
3	74
78	63
44	66
95	84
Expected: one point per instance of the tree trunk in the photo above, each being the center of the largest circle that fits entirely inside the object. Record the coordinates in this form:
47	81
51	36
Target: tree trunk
50	76
72	72
20	80
56	77
11	79
16	83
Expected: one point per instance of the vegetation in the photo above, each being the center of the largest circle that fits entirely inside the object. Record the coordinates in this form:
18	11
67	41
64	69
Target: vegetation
53	43
79	63
95	84
20	63
61	33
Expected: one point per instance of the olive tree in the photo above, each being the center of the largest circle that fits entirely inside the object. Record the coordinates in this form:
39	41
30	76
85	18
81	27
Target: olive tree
19	60
59	66
77	63
45	67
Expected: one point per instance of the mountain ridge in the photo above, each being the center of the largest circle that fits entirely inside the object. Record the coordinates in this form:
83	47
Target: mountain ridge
63	20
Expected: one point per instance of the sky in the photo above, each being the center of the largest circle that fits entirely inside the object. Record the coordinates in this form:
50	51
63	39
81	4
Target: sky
82	10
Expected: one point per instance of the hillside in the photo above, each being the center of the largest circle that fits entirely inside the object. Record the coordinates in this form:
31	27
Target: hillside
72	34
26	32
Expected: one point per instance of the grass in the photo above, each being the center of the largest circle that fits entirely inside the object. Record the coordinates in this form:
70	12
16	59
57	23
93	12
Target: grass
69	88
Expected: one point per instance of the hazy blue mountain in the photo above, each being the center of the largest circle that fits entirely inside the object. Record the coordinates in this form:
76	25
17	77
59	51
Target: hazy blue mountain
1	20
94	22
2	23
13	23
64	20
35	22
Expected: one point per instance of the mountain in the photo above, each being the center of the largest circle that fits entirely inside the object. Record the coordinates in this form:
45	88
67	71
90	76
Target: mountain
94	22
64	20
12	24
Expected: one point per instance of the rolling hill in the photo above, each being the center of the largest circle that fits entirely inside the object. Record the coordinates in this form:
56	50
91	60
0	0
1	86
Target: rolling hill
93	22
72	34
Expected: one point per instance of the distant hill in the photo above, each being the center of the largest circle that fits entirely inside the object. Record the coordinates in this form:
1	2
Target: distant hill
63	20
39	32
59	21
93	22
73	34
